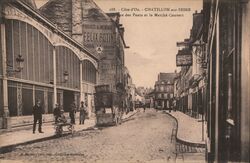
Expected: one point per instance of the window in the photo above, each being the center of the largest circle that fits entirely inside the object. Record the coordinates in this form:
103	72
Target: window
89	72
162	88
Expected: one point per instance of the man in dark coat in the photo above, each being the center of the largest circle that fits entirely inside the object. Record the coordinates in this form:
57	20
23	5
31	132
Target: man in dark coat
57	113
72	113
37	112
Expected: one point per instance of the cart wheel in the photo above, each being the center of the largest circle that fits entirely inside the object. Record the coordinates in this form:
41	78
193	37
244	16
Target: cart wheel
59	131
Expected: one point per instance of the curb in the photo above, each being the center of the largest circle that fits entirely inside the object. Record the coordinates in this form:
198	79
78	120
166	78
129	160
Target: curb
125	119
200	145
9	148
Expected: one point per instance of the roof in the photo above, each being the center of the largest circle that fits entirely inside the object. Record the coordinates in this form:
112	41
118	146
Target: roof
31	3
197	27
37	15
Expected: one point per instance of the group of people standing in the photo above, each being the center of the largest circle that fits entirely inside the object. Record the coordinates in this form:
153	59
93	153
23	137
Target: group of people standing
59	114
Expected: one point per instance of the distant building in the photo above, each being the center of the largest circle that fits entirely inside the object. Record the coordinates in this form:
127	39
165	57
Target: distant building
164	90
142	91
149	99
130	90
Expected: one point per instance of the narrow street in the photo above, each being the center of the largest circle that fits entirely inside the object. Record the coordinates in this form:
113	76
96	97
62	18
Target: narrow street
143	137
68	67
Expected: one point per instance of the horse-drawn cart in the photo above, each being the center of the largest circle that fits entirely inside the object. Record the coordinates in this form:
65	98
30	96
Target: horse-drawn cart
108	106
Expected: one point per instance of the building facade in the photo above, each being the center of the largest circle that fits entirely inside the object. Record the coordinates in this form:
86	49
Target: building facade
39	61
99	32
164	90
149	99
217	81
191	83
227	41
130	91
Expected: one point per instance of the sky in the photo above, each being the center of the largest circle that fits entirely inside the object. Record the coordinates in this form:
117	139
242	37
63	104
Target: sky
152	39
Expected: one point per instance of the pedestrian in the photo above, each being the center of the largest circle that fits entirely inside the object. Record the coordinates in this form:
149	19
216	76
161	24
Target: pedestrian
174	103
62	117
83	113
144	107
72	113
57	112
37	112
170	105
131	106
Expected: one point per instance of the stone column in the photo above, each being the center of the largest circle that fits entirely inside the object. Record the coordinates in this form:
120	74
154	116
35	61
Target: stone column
81	86
45	97
217	92
6	119
54	76
19	100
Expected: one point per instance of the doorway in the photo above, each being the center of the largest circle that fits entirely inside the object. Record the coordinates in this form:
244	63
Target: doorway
68	99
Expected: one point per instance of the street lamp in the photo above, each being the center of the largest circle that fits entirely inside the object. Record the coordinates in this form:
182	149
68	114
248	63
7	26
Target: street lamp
20	65
66	76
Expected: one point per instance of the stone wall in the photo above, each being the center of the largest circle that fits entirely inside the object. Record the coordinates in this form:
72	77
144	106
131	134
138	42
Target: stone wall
59	12
85	22
77	21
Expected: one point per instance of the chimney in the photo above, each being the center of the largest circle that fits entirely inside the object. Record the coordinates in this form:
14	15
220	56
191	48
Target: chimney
77	21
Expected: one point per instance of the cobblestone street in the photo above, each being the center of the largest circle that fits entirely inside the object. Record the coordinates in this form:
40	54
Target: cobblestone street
143	137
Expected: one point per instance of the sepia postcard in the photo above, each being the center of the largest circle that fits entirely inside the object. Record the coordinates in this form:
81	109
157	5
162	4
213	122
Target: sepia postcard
132	81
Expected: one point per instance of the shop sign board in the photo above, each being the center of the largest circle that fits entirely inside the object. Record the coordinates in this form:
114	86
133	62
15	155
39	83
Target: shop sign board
184	59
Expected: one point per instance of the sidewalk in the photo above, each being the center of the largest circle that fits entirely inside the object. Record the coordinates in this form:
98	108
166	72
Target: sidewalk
189	129
24	136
